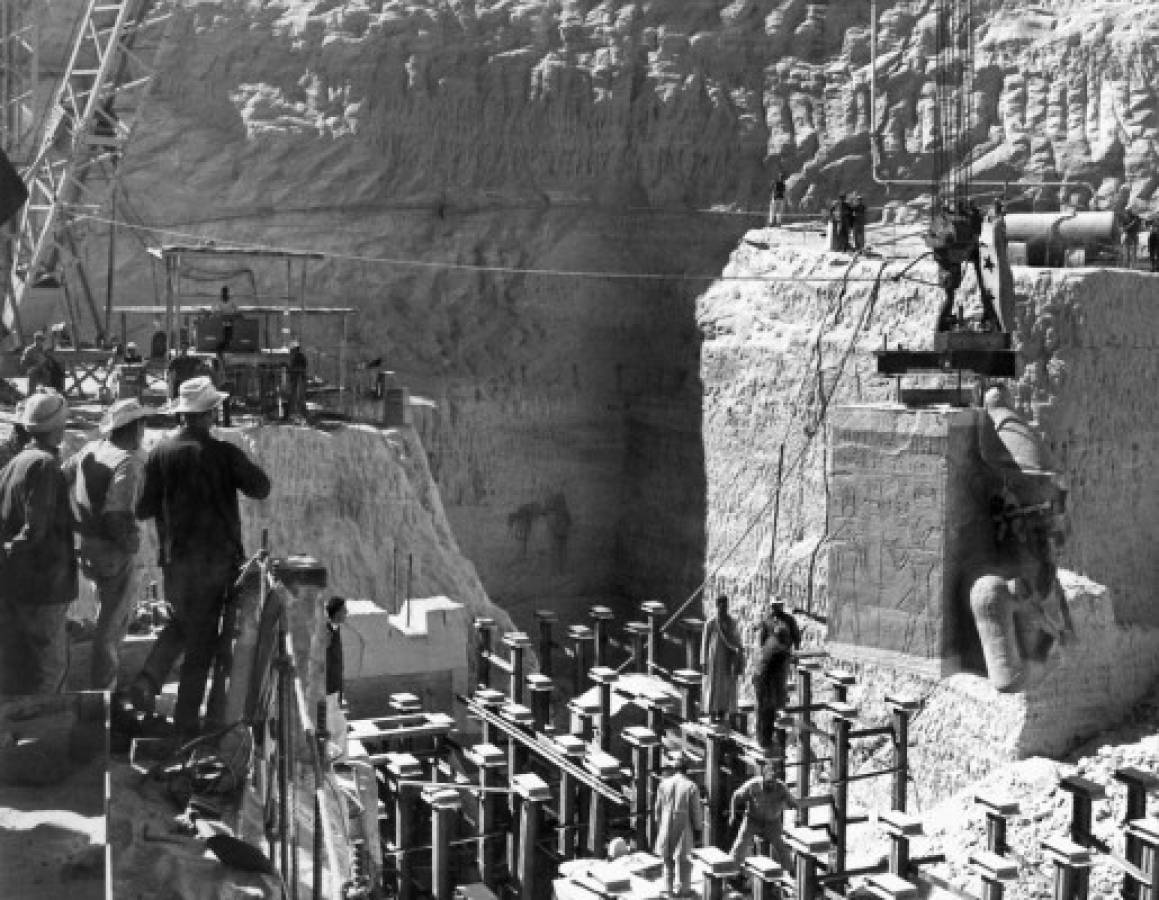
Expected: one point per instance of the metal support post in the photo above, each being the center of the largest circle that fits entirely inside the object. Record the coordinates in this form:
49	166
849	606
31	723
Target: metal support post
655	611
655	708
321	737
691	630
601	616
1083	794
485	632
900	828
715	824
995	871
810	846
582	638
532	792
1146	833
765	873
492	701
639	634
901	709
887	886
540	687
404	767
839	791
1070	860
604	679
841	681
688	680
566	843
516	750
1138	783
445	806
546	618
517	642
491	762
719	867
997	813
642	740
605	766
804	742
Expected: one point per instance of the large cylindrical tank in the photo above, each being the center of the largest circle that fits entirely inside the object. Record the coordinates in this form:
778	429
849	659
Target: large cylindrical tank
1048	236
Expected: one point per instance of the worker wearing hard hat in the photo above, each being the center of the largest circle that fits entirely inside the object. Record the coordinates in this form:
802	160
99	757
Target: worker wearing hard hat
36	555
106	478
191	486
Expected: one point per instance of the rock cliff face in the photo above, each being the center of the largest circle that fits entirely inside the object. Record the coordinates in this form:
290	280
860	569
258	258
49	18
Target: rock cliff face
436	151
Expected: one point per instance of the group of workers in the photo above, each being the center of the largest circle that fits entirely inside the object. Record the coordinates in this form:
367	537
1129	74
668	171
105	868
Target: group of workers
88	508
1131	226
677	807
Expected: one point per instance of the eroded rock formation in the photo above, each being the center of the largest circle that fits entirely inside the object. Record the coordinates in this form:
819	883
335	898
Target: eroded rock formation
505	135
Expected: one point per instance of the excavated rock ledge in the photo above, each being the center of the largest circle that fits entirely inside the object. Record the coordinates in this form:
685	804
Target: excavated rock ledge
778	353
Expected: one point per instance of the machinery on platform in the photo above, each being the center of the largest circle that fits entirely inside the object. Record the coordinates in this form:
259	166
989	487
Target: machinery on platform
960	234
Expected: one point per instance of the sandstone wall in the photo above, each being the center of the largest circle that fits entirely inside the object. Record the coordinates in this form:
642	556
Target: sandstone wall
351	498
779	352
595	136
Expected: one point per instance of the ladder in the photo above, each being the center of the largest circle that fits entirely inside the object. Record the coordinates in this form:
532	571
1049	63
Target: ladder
87	125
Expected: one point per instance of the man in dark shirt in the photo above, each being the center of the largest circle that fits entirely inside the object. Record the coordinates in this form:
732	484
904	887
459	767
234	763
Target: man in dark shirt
181	368
297	368
335	674
770	682
37	561
192	480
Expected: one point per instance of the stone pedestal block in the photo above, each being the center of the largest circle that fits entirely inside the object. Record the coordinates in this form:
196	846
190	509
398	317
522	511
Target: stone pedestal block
904	511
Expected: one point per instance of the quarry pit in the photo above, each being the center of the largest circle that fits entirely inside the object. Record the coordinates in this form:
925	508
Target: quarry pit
622	396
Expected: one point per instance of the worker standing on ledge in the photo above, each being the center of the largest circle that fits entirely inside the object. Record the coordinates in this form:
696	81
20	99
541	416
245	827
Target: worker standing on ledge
192	480
227	310
679	817
36	555
106	477
722	659
777	203
297	367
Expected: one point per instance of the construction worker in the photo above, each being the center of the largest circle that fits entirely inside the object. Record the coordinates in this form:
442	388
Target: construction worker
778	613
679	818
297	368
36	555
181	368
227	310
17	439
1132	225
34	363
857	215
192	480
771	682
764	798
722	660
1153	244
106	478
777	202
335	674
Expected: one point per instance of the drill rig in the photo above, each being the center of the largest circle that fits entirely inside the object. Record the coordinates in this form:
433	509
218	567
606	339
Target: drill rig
959	234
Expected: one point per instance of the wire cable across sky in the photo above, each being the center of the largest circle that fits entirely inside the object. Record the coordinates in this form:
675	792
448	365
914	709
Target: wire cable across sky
410	262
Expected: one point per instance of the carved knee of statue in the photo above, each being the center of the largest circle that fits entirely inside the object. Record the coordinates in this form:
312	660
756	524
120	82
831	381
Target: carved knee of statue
1019	641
